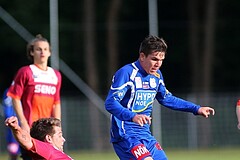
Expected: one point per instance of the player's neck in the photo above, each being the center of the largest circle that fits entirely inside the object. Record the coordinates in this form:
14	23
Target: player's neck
42	66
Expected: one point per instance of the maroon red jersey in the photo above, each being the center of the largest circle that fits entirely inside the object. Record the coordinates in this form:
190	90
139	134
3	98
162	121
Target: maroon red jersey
38	91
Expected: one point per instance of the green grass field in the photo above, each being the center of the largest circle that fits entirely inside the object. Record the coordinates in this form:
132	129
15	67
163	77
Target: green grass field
206	154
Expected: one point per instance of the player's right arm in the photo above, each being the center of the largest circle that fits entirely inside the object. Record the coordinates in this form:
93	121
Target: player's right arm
19	112
113	103
20	135
16	91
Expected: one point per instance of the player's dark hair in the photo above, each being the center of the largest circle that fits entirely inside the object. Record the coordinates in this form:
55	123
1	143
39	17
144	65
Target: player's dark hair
152	44
43	127
30	45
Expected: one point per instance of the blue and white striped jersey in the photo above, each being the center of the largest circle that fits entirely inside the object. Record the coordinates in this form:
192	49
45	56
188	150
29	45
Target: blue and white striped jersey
132	92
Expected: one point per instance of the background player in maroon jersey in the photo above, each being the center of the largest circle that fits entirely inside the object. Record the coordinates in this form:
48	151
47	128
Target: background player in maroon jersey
35	91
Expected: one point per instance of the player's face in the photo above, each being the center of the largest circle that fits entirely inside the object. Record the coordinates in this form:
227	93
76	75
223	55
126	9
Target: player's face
152	62
58	139
41	52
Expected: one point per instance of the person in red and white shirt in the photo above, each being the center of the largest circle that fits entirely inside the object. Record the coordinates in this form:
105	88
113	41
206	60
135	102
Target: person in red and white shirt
45	140
238	113
35	90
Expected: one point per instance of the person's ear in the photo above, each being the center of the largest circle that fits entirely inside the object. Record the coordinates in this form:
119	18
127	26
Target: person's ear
31	53
48	138
141	56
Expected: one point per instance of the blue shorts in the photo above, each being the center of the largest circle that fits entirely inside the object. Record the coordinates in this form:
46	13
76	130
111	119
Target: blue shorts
133	149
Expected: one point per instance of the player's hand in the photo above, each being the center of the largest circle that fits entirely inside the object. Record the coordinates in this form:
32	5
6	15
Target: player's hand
142	119
12	122
206	111
238	126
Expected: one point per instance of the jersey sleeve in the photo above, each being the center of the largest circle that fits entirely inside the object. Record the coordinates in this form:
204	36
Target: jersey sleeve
238	102
177	103
119	88
167	99
17	87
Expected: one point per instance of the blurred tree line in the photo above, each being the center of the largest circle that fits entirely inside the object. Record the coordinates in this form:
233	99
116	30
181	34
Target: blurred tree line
98	37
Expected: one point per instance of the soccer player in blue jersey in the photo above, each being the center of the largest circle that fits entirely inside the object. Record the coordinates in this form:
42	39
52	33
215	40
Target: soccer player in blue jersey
12	144
130	100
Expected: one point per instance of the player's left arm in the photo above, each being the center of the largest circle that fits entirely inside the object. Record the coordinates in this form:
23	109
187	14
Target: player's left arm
57	111
238	113
168	100
57	105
